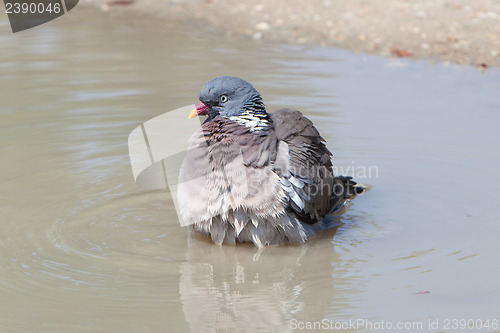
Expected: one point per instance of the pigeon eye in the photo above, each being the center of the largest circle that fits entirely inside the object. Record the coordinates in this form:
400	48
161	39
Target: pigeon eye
223	98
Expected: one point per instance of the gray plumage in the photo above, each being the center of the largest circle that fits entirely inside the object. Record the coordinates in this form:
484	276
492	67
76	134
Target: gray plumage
250	176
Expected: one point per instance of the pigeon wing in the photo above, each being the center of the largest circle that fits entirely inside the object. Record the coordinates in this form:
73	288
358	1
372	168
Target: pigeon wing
304	165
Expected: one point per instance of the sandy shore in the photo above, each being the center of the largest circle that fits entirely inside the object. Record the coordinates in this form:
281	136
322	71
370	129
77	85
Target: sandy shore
458	31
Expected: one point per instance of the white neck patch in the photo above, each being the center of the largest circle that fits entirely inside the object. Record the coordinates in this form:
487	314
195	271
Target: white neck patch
253	121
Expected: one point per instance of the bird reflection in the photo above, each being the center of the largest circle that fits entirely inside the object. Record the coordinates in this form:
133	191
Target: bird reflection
245	289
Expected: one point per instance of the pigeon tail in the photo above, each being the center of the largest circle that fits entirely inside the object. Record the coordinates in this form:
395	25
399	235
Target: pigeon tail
346	188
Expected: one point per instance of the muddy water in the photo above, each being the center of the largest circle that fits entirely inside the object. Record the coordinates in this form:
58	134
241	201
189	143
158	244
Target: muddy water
82	249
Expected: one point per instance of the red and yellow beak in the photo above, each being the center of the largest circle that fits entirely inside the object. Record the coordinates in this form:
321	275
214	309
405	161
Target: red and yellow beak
199	110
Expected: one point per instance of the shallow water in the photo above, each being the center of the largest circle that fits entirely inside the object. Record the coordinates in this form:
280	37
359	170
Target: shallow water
83	249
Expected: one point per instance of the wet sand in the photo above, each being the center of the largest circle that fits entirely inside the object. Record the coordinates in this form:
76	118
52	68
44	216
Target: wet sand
456	31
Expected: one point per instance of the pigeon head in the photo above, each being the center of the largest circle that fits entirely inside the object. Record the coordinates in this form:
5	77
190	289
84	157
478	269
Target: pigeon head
227	96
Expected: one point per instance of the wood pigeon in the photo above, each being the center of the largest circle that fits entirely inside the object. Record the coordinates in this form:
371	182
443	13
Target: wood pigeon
252	176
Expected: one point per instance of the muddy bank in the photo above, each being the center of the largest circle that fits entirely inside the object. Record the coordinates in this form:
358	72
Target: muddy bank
457	31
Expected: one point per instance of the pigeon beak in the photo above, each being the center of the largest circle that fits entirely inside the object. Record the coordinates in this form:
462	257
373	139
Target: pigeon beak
199	110
192	114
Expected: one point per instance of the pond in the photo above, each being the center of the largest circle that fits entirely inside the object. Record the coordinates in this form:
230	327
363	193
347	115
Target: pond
84	249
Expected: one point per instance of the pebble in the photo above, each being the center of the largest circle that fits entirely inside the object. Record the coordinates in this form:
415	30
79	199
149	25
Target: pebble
263	26
422	14
257	36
